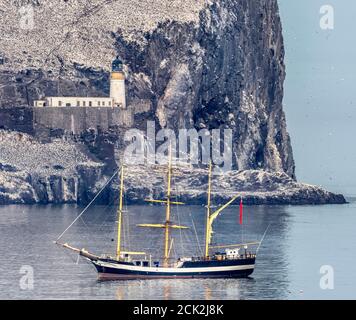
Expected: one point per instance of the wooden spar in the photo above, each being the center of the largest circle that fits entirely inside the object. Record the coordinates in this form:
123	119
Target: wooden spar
85	253
81	252
163	201
67	246
172	226
170	247
211	217
168	208
208	208
119	225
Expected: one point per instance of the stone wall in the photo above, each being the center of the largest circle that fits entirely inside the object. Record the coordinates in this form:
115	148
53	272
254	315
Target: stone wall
78	119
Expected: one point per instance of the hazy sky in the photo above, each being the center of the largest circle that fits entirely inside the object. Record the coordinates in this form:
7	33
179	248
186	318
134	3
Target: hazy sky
320	91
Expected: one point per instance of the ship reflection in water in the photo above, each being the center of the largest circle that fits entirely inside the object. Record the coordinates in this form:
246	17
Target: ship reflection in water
299	242
165	289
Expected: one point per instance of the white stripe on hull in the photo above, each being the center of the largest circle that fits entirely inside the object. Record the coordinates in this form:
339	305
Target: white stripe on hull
114	276
174	270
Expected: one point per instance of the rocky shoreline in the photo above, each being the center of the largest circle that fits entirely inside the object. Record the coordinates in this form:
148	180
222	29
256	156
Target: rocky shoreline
23	188
65	172
256	187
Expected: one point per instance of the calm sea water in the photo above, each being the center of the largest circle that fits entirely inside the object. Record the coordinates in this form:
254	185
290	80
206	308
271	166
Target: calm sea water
299	241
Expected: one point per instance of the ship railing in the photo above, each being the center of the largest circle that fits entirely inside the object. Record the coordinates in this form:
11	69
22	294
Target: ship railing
174	263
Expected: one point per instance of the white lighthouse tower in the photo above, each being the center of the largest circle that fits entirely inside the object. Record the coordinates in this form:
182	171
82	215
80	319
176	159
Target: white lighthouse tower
117	84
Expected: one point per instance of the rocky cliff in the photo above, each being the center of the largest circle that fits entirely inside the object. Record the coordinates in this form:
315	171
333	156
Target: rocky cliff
254	186
190	64
203	64
227	71
56	172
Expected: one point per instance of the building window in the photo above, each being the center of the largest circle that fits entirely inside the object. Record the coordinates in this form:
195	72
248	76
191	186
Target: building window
90	104
83	103
109	103
98	103
59	103
78	103
68	105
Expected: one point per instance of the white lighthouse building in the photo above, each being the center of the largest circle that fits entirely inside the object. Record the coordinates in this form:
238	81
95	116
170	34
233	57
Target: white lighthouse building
117	94
117	84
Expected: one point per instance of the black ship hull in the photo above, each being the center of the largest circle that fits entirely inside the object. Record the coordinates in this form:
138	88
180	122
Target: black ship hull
241	268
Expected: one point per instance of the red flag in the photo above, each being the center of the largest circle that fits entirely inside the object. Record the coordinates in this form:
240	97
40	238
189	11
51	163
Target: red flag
241	212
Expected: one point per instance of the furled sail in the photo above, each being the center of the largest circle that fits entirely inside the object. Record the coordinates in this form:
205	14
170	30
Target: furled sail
214	216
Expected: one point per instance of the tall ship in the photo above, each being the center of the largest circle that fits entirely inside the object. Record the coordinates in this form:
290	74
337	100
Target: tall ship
218	261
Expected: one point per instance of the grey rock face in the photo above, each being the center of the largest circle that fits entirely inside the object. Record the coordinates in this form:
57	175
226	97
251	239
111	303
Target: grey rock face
17	118
22	87
227	72
189	64
216	64
254	186
57	172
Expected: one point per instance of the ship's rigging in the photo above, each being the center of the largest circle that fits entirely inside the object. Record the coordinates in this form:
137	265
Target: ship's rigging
122	266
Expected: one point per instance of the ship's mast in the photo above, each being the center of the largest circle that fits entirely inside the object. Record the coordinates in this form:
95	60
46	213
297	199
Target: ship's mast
168	209
167	225
119	222
210	217
208	209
